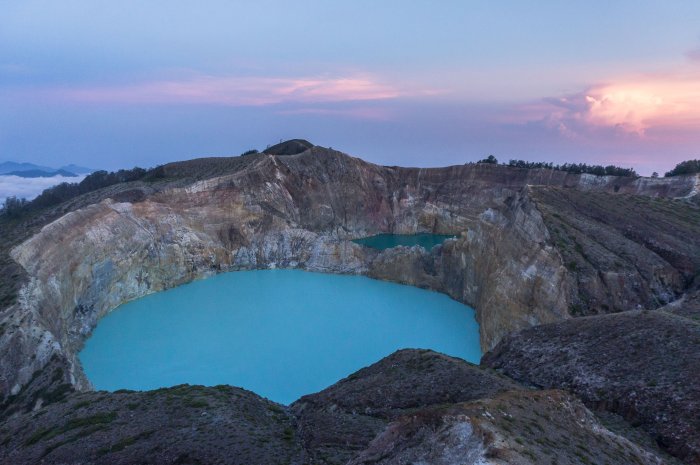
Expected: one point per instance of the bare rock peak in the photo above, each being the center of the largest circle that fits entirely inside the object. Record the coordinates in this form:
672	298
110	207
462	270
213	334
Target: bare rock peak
289	147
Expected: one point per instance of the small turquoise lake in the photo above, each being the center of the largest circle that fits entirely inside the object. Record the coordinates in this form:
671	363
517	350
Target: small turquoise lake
279	333
388	241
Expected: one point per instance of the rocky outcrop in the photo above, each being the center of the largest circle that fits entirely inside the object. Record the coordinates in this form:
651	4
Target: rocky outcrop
528	288
290	147
341	420
639	364
517	427
687	306
300	211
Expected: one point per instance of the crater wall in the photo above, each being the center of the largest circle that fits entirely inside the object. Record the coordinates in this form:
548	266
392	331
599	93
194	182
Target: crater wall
301	211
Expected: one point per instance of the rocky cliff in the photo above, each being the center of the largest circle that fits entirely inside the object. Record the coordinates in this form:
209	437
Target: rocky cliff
211	215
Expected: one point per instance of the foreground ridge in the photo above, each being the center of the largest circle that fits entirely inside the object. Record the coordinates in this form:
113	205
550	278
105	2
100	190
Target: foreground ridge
420	405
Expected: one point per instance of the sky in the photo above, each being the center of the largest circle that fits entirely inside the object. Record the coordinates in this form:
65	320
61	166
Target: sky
421	83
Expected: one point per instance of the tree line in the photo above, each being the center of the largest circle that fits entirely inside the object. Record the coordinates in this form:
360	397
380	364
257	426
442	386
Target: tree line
14	206
685	167
576	168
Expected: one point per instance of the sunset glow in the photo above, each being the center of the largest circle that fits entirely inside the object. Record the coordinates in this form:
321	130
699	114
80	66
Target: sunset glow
638	106
233	91
119	84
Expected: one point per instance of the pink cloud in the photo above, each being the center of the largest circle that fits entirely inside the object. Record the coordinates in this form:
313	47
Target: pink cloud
234	91
637	106
379	114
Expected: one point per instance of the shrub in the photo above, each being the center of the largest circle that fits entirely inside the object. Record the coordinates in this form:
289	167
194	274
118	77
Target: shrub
490	160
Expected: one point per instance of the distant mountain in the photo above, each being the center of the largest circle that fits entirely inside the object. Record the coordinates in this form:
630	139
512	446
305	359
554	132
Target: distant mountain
41	173
30	170
72	168
11	166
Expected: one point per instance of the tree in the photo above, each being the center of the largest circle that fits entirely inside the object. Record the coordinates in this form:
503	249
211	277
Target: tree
97	180
685	167
654	174
490	159
13	206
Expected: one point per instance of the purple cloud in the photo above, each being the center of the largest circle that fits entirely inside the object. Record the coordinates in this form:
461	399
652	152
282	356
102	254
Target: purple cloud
693	55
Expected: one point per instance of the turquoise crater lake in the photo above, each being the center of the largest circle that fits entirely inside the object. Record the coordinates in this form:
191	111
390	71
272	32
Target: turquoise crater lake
388	241
279	333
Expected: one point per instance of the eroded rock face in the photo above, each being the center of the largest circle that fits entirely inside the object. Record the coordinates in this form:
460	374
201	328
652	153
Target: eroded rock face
623	252
528	288
299	211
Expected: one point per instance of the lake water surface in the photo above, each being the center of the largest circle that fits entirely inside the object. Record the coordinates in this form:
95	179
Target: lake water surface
279	333
387	241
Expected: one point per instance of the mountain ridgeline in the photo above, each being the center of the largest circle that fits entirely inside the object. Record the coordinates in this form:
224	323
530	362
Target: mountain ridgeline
99	179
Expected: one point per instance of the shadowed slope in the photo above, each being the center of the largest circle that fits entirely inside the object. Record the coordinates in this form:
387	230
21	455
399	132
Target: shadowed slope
640	364
340	420
622	251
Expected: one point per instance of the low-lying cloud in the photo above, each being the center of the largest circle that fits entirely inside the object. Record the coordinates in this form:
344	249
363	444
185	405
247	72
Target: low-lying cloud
29	188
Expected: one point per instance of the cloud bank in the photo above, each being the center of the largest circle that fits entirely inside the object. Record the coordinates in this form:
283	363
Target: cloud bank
29	188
